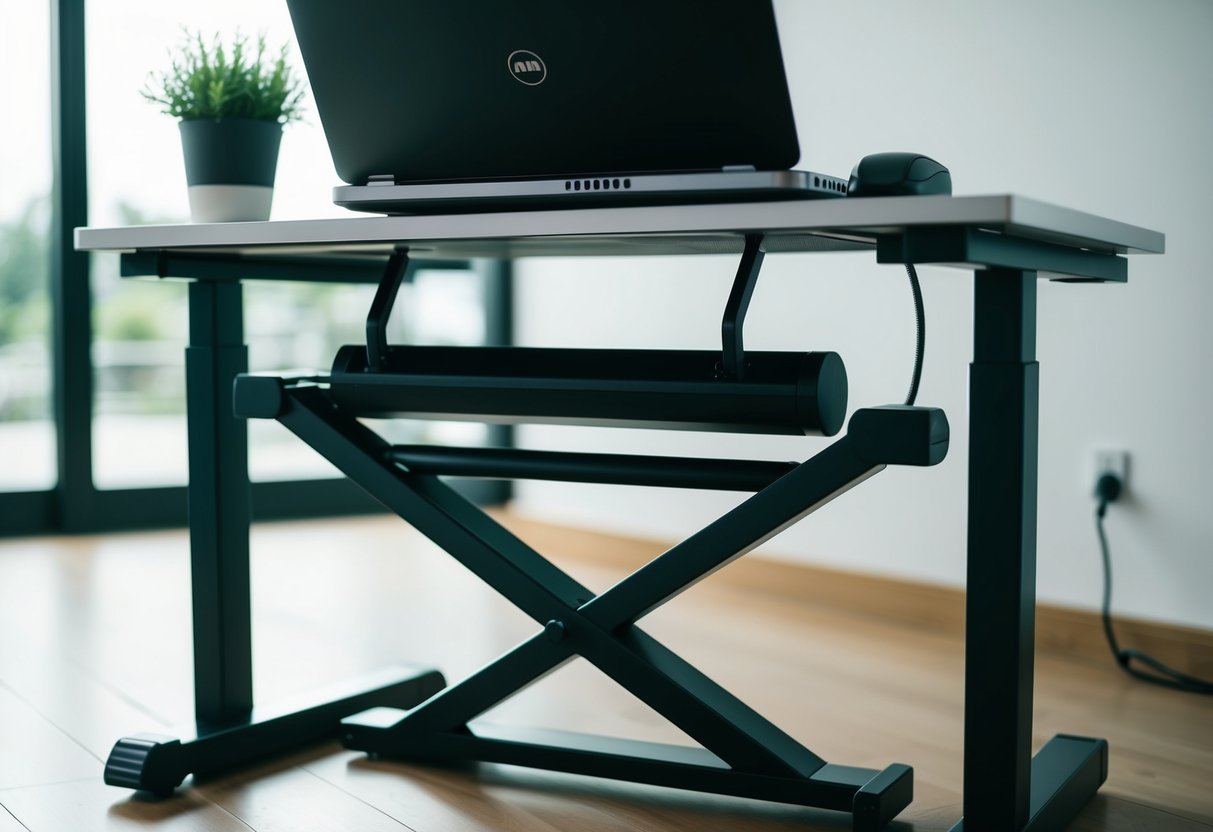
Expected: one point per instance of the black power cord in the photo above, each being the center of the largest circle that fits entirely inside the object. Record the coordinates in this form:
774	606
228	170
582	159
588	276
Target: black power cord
1107	490
920	331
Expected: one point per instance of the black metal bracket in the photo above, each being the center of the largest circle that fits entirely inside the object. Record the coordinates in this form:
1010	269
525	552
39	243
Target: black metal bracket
394	274
733	359
990	250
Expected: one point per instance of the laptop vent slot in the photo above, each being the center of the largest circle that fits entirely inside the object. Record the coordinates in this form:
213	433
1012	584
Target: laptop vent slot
597	184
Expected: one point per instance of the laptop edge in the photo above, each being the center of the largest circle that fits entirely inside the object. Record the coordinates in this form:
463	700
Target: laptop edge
597	191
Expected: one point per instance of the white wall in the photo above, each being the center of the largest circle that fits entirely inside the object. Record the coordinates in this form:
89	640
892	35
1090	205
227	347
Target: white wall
1097	105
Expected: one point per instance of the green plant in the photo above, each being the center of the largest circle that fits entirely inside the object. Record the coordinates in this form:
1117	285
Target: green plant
210	80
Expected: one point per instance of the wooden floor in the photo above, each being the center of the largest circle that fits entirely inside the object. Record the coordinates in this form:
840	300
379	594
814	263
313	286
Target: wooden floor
94	644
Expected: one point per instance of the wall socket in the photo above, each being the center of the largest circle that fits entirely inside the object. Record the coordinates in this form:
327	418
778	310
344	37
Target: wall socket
1112	462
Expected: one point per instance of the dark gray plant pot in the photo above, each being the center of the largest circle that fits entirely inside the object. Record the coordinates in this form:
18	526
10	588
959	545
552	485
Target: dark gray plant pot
229	167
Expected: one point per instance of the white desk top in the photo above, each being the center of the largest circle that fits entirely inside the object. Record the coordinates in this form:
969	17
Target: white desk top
800	225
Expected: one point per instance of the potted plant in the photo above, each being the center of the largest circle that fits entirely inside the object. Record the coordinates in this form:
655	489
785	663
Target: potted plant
232	102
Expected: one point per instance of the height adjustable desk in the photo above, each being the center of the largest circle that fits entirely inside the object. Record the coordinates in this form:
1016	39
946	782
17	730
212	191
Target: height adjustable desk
1008	242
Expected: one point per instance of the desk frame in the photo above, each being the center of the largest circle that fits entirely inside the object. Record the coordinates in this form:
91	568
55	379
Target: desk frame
1005	787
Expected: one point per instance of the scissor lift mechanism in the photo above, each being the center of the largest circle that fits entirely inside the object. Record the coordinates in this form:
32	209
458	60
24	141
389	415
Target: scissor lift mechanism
733	390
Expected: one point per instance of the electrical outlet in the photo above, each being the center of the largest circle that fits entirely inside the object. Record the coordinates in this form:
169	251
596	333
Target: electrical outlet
1112	462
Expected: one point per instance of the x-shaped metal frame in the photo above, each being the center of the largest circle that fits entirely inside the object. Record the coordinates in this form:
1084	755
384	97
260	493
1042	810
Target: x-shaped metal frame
742	752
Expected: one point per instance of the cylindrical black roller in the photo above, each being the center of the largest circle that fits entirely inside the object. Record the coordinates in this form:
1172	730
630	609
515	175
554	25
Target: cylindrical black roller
781	392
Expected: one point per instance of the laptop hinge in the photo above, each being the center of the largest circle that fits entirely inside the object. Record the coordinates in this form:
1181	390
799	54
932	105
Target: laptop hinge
381	179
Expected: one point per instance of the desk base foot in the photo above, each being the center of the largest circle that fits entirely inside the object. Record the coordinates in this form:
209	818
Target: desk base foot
873	797
1066	773
158	763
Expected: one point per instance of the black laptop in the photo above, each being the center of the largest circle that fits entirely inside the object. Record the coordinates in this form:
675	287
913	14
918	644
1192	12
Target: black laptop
477	105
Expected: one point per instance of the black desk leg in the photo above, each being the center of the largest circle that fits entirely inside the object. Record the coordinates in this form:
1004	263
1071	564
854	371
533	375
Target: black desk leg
228	732
1005	788
218	505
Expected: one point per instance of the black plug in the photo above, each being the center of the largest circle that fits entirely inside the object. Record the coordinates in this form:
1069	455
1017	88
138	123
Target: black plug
1107	490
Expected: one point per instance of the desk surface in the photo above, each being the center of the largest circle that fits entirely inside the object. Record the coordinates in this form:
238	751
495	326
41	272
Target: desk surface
801	225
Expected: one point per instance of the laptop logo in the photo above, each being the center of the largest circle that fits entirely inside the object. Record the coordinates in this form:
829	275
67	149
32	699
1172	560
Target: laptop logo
527	67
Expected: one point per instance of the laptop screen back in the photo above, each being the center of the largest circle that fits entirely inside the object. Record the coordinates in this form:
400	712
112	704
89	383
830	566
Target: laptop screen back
447	90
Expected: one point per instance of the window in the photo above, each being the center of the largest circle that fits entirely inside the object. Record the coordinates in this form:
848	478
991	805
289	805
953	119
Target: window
136	176
27	435
92	426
